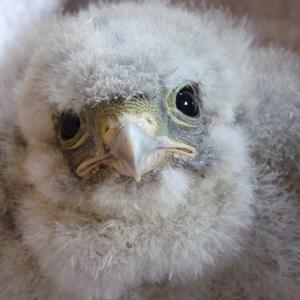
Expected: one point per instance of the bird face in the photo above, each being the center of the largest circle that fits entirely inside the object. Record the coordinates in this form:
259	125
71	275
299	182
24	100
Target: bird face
132	115
130	137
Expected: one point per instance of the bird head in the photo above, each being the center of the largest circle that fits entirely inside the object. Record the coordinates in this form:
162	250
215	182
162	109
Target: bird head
135	166
130	115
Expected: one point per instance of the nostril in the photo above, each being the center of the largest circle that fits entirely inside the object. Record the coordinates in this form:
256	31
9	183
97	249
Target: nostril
149	121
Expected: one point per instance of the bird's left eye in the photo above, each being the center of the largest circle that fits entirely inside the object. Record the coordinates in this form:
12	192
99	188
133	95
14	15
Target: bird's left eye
186	102
69	125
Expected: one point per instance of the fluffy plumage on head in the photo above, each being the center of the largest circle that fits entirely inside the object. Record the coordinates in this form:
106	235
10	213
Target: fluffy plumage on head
120	54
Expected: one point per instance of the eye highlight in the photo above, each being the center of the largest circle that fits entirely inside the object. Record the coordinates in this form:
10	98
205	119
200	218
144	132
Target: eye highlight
186	102
69	125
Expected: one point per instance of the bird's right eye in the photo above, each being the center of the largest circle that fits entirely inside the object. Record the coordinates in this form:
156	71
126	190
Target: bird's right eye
69	125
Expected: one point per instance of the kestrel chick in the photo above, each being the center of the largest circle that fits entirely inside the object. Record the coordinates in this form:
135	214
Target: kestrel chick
149	152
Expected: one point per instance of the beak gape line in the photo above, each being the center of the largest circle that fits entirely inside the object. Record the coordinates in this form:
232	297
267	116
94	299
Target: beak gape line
132	151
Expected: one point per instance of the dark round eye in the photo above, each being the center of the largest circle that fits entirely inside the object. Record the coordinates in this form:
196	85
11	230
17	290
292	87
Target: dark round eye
186	102
69	125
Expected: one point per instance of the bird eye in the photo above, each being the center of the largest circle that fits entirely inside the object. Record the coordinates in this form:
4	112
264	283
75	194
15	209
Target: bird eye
69	125
186	102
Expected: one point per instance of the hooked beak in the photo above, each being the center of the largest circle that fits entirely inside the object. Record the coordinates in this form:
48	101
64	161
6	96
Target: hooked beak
133	149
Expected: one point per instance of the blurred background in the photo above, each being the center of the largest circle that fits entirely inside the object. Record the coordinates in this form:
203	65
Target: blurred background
275	20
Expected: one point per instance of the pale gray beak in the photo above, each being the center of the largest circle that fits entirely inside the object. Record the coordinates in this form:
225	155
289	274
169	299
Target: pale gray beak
133	148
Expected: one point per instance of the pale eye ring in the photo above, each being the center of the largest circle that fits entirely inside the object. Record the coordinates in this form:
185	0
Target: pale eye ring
69	125
186	102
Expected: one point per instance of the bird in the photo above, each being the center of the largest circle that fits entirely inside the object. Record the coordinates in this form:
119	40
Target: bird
149	151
